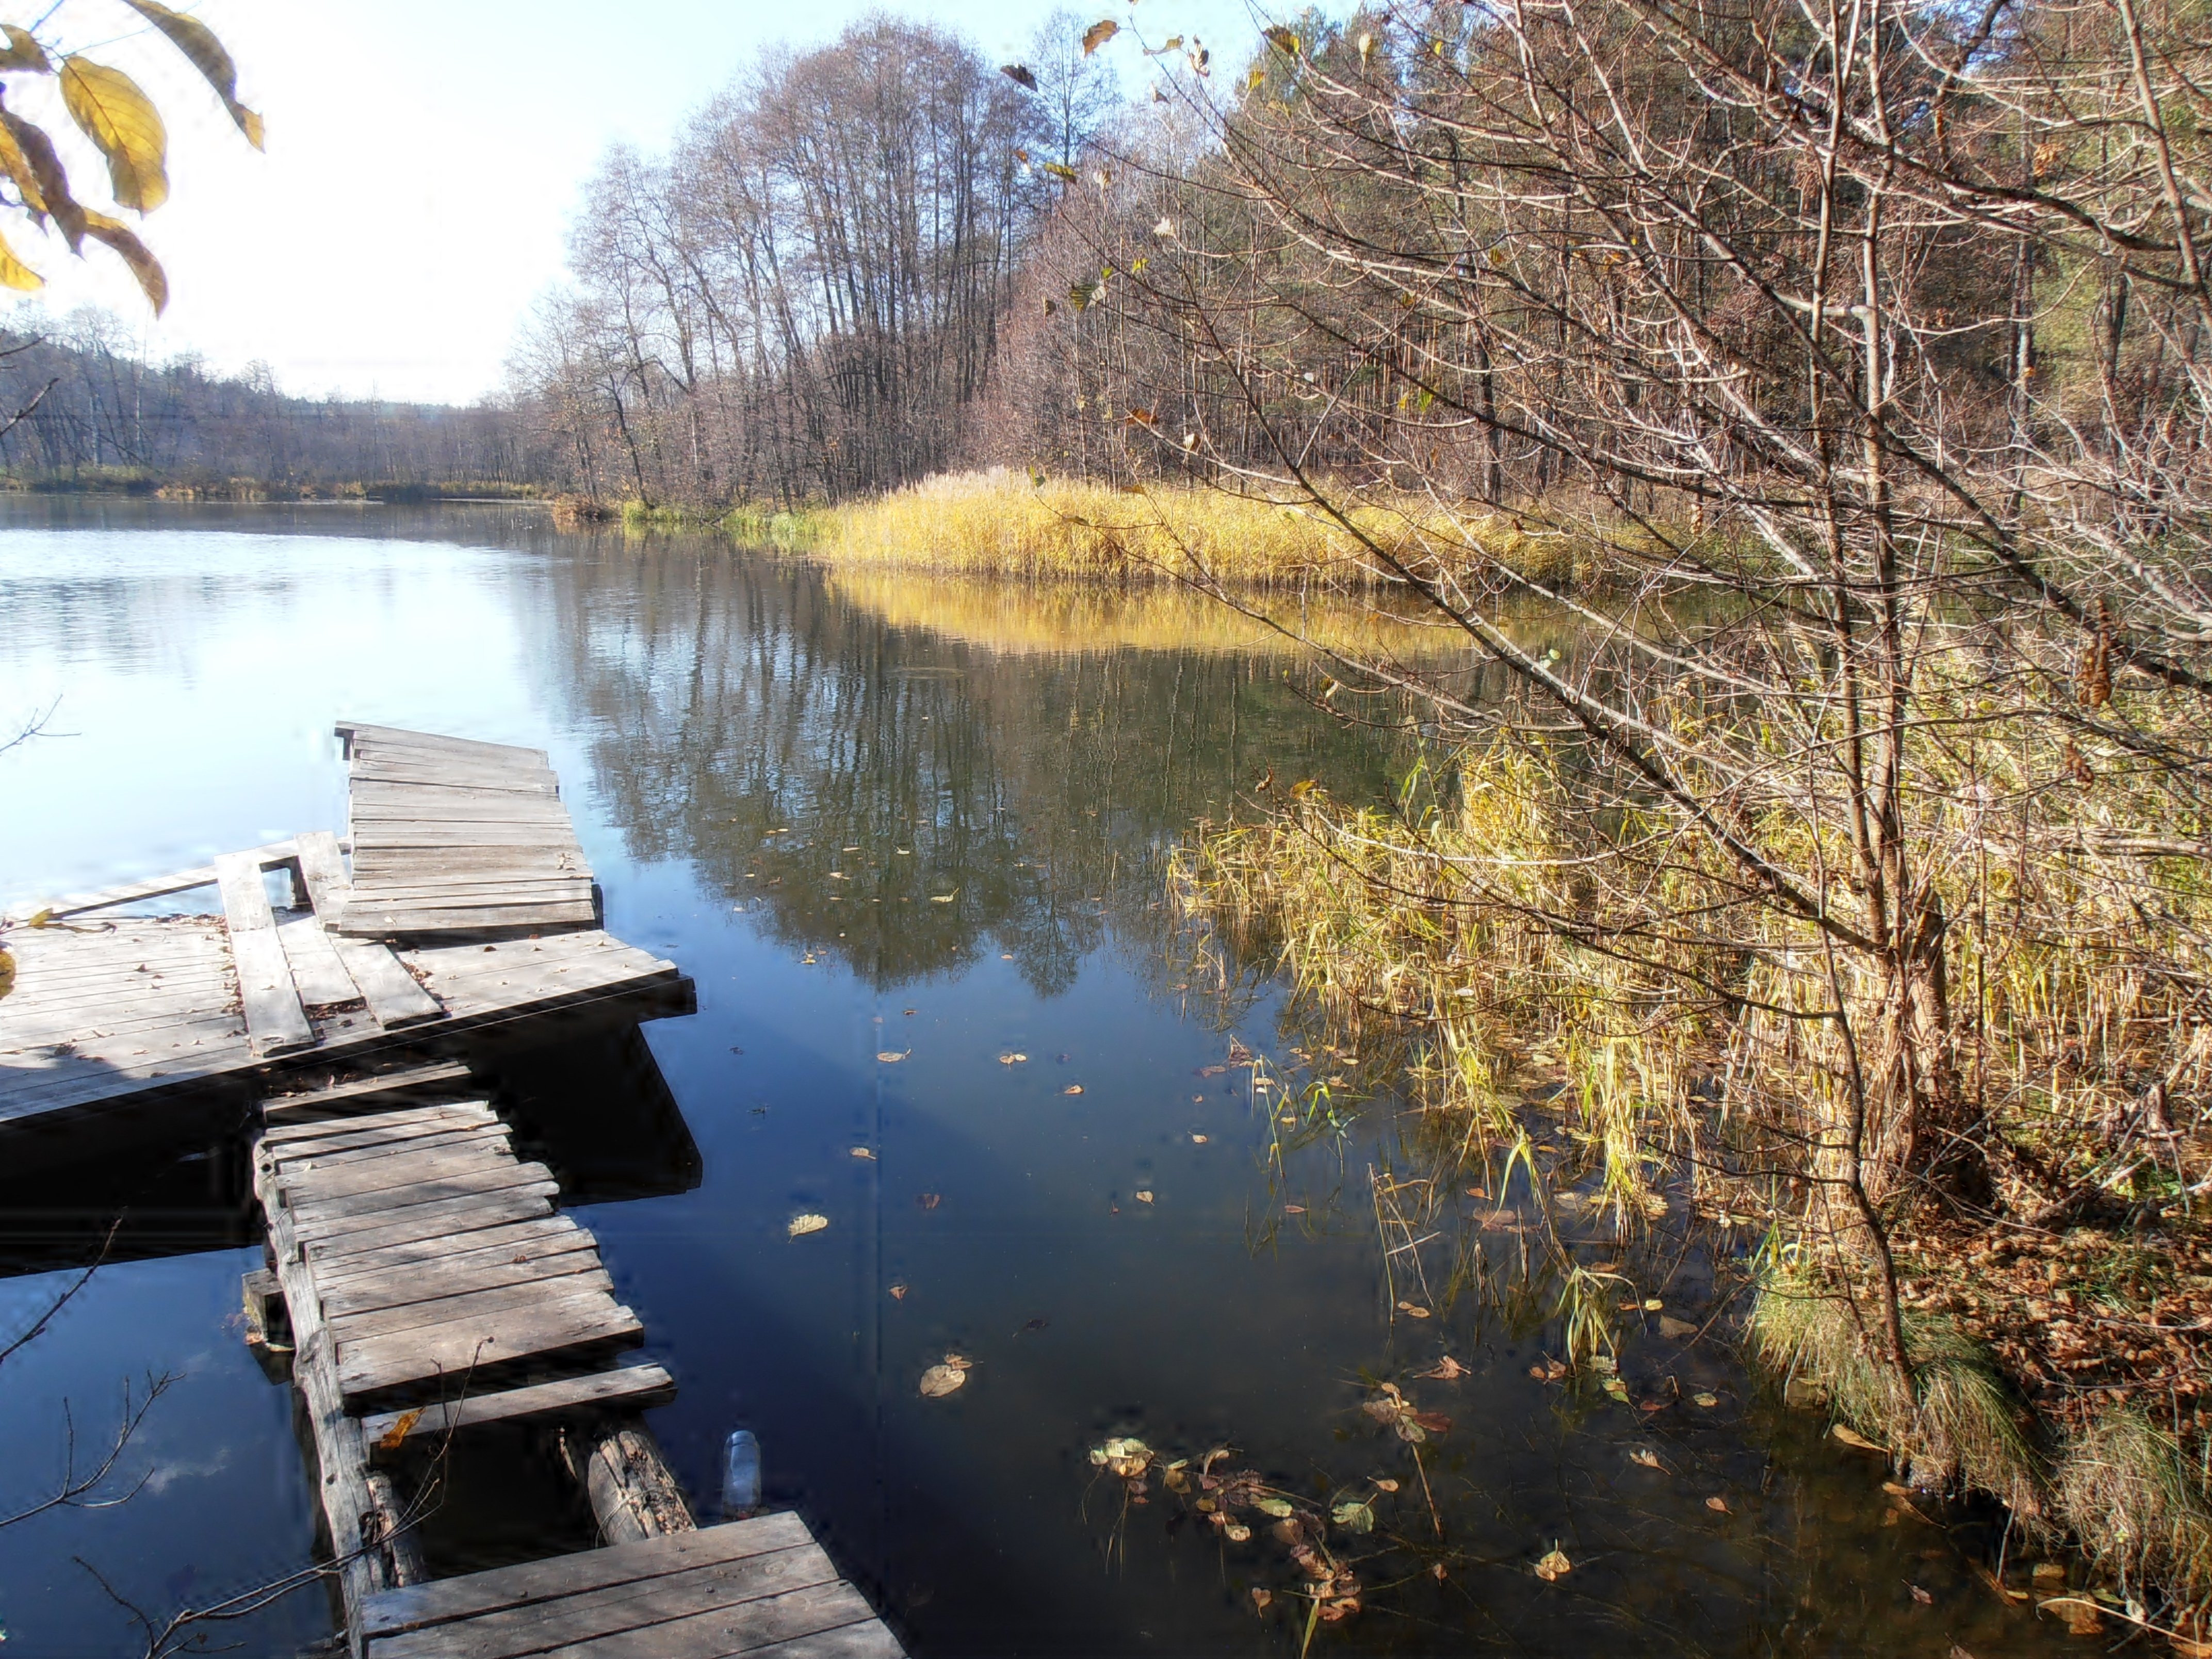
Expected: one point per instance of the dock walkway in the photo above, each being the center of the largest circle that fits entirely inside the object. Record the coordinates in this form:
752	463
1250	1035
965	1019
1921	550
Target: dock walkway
431	1289
448	921
761	1586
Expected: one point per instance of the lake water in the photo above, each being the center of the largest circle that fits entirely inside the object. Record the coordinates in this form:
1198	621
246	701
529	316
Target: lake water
875	816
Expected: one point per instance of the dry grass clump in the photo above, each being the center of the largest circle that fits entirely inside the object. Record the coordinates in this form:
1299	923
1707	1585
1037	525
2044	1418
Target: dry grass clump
2139	1502
1002	523
1960	1421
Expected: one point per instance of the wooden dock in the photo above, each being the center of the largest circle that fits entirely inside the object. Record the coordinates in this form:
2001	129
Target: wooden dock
451	919
761	1586
430	1290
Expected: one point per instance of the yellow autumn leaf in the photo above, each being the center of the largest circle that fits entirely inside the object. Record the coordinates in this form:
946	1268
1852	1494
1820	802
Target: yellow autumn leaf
1098	34
7	972
135	254
396	1436
23	52
123	121
197	42
803	1225
46	168
17	166
14	273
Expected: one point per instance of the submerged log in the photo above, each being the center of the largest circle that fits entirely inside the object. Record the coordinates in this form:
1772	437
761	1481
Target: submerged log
633	1494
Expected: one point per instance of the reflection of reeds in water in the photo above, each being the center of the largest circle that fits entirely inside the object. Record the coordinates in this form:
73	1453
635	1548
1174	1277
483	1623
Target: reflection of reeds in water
1058	618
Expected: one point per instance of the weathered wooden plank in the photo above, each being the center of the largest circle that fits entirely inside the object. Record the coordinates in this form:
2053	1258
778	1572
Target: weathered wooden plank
482	1135
360	1507
400	1121
480	1593
450	1220
869	1639
129	892
793	1592
319	1216
574	1255
473	889
469	1306
447	1169
500	1240
402	773
363	738
361	921
630	1388
418	1358
394	995
346	1099
318	977
135	892
275	1023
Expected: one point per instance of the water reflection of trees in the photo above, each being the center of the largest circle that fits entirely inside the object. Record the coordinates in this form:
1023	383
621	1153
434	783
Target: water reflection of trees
898	799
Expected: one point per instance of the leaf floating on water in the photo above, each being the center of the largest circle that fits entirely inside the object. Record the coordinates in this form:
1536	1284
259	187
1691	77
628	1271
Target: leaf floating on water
1708	1400
1280	1508
1675	1329
1353	1517
1554	1566
898	1292
1921	1595
1072	1089
1447	1370
941	1380
1123	1457
862	1152
945	898
1144	1197
1647	1457
1550	1371
1652	1305
1382	1483
1413	1311
928	1201
1236	1531
1434	1422
1718	1504
1012	1059
1294	1209
803	1225
1198	1140
1853	1438
1261	1598
396	1436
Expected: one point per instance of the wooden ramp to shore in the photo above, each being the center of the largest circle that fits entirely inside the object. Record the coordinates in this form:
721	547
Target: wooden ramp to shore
421	937
451	837
431	1289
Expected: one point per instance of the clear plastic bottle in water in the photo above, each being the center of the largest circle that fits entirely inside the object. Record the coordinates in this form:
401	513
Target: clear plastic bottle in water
741	1475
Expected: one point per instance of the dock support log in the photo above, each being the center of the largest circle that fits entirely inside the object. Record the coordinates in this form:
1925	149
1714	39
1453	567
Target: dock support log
370	1534
633	1496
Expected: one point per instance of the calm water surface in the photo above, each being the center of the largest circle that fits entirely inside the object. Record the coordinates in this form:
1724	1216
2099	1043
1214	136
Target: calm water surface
876	818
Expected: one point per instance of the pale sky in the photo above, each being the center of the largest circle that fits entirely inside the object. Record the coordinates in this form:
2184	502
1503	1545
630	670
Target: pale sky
424	157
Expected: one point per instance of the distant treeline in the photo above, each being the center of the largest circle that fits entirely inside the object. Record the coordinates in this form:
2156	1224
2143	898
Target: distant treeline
104	416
